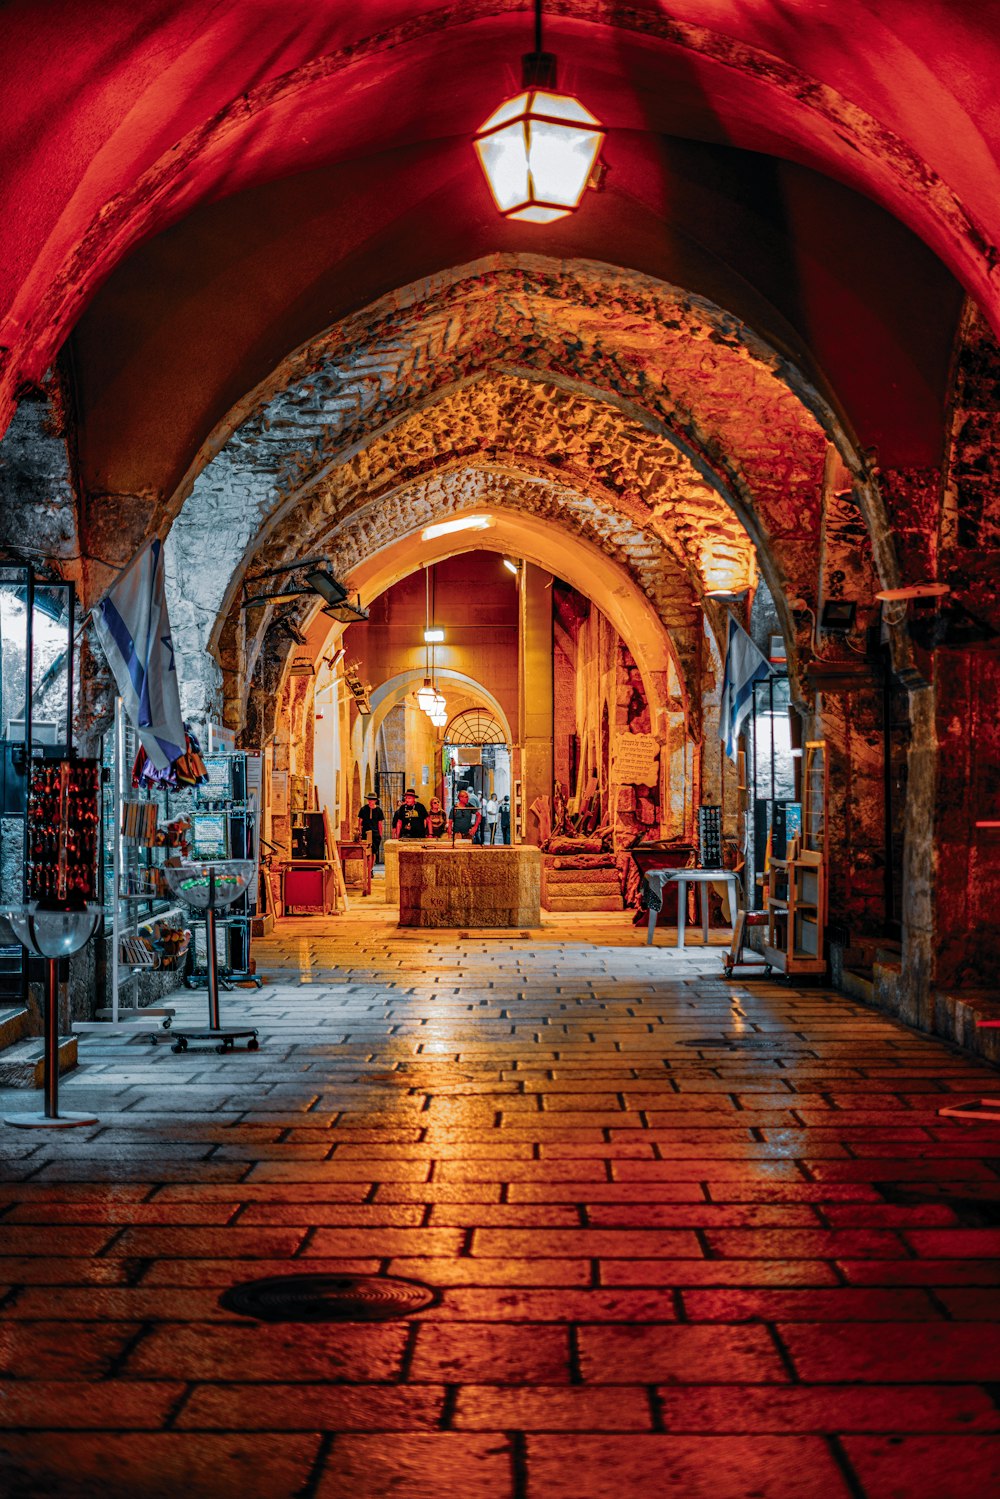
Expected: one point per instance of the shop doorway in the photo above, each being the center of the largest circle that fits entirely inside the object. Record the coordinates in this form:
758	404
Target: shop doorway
477	759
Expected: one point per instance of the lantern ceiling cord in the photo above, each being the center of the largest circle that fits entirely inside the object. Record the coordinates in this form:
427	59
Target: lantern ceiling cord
538	68
429	697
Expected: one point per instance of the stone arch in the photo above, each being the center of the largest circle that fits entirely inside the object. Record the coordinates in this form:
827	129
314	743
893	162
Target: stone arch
639	553
391	693
123	193
583	564
751	426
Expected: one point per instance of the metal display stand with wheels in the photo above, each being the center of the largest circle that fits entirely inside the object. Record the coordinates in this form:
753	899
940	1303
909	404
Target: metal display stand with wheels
52	935
211	887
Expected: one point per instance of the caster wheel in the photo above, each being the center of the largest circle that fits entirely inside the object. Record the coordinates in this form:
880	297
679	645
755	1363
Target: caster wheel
179	1046
222	1048
767	970
253	1044
168	1022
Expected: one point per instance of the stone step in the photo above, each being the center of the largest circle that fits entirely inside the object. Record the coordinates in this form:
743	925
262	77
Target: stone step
13	1024
584	903
574	889
859	983
23	1064
581	876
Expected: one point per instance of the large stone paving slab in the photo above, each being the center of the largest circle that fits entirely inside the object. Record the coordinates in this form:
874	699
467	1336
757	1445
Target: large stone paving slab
766	1268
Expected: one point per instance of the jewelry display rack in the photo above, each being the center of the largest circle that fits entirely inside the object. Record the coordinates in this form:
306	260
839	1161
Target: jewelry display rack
137	880
129	955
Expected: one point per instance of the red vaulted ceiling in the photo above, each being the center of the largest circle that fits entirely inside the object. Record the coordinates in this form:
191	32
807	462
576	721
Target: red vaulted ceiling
193	190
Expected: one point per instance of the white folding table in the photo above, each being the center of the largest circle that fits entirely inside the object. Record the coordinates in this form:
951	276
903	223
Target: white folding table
703	877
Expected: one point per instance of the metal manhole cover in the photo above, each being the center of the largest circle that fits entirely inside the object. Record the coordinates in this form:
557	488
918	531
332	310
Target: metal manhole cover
750	1043
328	1298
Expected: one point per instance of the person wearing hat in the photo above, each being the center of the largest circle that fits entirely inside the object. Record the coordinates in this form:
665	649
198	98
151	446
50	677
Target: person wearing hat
371	824
410	817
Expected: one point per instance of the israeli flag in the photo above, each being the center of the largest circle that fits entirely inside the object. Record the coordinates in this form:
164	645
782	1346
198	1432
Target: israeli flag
745	665
133	628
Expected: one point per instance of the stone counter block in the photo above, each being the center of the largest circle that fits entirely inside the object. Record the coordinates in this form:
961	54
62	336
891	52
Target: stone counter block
468	886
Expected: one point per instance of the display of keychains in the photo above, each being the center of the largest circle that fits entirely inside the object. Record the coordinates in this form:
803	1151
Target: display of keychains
710	837
63	832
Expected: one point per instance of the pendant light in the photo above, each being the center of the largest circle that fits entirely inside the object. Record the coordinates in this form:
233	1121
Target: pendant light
428	697
425	693
539	149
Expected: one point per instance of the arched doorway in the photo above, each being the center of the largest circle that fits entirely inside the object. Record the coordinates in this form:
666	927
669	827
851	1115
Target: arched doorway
477	758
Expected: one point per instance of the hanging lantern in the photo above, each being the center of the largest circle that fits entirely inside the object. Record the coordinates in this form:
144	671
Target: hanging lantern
538	152
426	695
539	149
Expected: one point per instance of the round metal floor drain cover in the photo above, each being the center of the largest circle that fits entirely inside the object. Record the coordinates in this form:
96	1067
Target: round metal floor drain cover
749	1043
328	1298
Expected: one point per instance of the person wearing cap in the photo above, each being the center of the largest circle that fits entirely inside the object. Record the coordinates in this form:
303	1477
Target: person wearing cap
410	817
371	824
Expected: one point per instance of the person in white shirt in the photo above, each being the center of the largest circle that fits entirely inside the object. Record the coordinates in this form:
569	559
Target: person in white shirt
492	819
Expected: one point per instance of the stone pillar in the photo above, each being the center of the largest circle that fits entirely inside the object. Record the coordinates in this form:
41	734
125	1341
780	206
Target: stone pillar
535	688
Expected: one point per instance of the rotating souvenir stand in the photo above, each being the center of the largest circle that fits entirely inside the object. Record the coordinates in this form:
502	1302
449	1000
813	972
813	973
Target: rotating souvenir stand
209	888
229	806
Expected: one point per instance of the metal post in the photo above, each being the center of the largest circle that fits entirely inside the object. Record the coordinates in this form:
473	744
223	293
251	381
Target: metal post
52	1041
71	601
29	673
888	873
211	973
116	832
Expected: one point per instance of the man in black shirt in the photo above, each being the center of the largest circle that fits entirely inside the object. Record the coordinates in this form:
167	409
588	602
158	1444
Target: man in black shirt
464	817
371	820
410	818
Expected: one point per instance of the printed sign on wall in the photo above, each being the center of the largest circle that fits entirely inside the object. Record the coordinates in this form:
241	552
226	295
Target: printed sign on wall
635	759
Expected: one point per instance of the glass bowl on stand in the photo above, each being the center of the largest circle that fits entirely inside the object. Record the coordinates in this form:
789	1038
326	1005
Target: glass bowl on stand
208	888
52	935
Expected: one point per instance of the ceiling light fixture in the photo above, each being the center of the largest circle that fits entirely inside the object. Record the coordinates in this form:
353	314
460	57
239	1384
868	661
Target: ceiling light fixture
511	566
317	576
539	150
434	636
462	523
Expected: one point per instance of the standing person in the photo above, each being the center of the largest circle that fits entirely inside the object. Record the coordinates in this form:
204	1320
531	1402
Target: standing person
371	824
492	819
465	817
505	819
436	820
410	817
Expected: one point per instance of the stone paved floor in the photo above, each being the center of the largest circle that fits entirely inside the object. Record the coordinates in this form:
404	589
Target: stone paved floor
758	1273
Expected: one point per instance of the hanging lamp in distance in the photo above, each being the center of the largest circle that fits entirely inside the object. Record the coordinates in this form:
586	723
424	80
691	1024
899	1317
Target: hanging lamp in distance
539	149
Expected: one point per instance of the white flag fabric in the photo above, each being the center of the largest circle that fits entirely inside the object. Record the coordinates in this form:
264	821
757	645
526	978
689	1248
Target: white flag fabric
132	626
745	665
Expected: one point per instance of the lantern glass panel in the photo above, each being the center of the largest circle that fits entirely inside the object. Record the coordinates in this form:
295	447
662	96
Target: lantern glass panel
561	159
504	158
